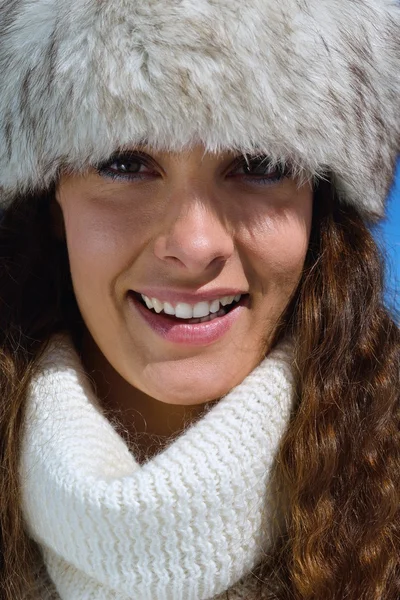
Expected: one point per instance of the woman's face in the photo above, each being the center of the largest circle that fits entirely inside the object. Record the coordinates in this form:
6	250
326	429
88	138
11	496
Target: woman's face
193	231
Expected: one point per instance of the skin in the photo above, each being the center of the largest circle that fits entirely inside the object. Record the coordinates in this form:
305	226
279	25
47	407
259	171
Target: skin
193	221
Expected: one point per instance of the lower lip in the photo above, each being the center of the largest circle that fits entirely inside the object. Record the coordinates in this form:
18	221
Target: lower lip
196	334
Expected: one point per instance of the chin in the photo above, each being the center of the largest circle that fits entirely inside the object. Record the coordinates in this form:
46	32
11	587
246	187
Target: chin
188	395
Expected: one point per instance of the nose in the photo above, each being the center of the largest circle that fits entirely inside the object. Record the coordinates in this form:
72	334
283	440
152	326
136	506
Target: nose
194	237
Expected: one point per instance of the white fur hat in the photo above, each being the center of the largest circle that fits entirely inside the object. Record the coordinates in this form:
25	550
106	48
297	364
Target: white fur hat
312	82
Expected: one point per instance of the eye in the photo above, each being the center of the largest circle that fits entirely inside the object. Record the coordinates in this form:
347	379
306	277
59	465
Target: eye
258	170
126	166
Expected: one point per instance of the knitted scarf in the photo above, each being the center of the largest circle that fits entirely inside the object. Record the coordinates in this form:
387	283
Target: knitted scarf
186	525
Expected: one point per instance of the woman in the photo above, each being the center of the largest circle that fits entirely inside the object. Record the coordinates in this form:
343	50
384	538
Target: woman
200	380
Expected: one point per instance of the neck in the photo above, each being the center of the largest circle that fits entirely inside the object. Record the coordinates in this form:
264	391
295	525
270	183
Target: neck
146	424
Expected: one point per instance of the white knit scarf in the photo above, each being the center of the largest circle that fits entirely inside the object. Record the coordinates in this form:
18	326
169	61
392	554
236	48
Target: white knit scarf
187	524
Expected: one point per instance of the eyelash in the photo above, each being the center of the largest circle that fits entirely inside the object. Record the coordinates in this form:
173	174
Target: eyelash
103	169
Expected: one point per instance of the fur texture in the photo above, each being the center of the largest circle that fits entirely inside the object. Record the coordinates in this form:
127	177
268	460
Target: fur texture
315	83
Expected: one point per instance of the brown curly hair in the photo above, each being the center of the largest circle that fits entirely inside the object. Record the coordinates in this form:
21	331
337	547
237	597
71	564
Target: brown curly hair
338	469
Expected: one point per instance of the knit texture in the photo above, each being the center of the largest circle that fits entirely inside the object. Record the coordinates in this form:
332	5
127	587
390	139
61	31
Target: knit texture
311	83
246	588
187	525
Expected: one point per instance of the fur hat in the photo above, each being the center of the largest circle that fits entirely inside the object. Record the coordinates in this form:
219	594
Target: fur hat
315	83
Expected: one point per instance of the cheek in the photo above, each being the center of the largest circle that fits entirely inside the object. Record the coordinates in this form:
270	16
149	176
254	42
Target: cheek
286	257
276	248
101	242
93	255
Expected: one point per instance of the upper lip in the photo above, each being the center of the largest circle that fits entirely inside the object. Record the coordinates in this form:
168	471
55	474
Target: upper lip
174	296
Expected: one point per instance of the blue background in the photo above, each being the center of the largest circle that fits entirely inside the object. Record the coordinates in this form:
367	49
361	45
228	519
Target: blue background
388	236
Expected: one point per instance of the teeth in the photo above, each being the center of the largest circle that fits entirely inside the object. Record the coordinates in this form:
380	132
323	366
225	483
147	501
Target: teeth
184	311
187	311
214	306
157	305
168	309
227	300
149	303
201	309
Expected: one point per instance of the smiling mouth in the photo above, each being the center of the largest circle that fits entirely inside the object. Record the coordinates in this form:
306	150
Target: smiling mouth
224	310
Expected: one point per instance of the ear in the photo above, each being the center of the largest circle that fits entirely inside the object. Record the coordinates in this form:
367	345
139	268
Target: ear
57	218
